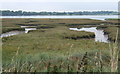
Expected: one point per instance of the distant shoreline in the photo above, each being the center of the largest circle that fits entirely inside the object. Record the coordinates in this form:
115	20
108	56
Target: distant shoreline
60	15
25	13
95	17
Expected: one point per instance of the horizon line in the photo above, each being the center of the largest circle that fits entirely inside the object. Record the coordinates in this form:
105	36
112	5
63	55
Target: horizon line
58	11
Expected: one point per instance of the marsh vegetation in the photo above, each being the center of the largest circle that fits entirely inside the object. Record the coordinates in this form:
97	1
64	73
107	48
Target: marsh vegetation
55	48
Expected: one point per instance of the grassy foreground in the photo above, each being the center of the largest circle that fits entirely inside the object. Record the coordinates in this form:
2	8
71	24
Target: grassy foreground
43	49
54	48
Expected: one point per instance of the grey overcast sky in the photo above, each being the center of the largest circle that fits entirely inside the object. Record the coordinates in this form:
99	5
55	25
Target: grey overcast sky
59	0
59	5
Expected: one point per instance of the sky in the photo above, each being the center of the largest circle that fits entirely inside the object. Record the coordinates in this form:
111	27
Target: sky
59	5
59	0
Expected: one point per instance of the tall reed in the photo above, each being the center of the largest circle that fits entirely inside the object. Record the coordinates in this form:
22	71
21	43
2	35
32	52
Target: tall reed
114	52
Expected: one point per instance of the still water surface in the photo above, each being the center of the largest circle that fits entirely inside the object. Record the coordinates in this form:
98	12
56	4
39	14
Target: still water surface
11	33
97	17
99	34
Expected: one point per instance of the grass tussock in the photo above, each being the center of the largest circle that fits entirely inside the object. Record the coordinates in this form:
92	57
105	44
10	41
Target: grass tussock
78	35
111	31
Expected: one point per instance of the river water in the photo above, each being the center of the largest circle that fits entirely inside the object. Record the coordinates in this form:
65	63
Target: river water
97	17
11	33
99	34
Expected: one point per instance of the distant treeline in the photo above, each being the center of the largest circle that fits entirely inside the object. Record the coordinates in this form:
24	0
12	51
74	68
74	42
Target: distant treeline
24	13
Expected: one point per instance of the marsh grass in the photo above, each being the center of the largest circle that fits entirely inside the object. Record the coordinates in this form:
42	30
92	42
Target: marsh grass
111	31
66	64
9	24
47	49
114	53
113	34
8	29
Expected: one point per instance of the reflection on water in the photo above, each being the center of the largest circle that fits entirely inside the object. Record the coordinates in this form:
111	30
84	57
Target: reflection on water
97	17
28	29
11	33
27	26
99	34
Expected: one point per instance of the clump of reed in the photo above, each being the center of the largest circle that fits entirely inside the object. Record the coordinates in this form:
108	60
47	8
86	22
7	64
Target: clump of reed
69	64
111	32
114	53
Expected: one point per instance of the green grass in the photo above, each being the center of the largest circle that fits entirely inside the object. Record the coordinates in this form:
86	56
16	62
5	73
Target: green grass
53	47
111	31
49	46
8	29
113	21
11	23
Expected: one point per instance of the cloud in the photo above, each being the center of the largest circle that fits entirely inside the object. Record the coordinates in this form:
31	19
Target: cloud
60	6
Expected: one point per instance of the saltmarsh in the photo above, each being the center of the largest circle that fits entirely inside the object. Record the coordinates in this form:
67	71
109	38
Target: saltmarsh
46	46
53	47
9	24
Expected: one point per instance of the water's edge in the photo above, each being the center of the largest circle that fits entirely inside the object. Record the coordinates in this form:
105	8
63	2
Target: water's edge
11	33
96	17
99	34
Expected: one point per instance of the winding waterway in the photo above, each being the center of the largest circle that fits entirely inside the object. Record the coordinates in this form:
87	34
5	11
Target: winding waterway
99	34
11	33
